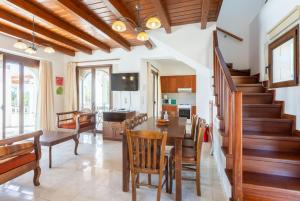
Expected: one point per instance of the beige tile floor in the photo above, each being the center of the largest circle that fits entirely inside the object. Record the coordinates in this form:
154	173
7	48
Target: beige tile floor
95	175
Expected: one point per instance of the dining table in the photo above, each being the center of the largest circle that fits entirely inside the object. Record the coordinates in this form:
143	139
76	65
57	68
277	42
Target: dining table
176	129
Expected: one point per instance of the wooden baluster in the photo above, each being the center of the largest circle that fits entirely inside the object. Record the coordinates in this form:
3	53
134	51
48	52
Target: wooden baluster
143	153
230	123
237	191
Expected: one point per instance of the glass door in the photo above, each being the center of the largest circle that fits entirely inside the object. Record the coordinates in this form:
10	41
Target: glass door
2	124
30	94
94	91
12	100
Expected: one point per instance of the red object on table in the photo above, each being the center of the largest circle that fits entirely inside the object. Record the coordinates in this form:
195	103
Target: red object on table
205	137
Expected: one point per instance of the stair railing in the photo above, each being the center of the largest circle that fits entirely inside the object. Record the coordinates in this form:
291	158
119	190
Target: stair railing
229	104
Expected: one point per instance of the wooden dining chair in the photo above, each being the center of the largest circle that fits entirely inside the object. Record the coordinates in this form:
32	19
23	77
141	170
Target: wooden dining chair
147	156
191	158
189	140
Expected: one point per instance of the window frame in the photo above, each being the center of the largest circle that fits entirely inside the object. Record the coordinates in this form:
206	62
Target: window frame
291	34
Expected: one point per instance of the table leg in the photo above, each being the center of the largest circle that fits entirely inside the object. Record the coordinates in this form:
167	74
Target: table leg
178	166
76	144
50	156
126	170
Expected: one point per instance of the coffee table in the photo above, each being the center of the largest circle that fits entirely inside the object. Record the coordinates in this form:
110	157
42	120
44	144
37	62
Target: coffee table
51	138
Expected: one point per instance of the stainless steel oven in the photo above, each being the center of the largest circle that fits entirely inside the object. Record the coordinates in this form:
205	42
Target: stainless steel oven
185	110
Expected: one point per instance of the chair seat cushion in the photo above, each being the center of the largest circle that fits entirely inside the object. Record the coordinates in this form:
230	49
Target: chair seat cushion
188	143
12	163
72	125
10	149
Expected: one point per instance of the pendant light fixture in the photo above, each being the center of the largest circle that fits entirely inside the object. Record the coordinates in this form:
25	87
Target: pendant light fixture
32	47
20	45
151	23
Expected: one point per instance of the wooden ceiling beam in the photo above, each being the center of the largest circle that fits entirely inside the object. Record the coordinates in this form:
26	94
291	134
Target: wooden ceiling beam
162	14
79	8
26	36
120	10
25	23
204	13
45	14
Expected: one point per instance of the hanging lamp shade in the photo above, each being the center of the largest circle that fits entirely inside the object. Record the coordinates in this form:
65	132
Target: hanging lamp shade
20	45
142	36
49	50
119	26
31	50
153	23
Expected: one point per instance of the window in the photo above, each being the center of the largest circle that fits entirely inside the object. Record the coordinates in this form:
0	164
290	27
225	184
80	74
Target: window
20	92
283	60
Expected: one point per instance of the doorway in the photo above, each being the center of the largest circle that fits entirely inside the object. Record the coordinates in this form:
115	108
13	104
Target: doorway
19	85
94	92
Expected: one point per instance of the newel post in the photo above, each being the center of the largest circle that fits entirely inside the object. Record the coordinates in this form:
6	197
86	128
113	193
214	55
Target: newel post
237	174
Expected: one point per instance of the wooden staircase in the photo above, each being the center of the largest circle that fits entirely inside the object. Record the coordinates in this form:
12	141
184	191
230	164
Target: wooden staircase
271	153
259	142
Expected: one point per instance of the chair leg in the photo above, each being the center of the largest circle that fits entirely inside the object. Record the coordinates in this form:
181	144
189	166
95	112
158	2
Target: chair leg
167	177
133	182
36	177
138	180
149	180
170	176
159	187
94	131
198	185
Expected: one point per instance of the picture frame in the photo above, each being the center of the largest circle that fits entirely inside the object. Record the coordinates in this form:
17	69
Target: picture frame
284	60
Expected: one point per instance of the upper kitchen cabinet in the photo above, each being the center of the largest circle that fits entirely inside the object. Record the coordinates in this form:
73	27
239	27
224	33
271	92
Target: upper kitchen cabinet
170	84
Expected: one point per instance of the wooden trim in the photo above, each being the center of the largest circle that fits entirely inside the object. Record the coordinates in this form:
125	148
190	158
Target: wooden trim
40	11
23	22
4	99
19	59
204	13
230	34
218	9
291	34
88	15
162	14
26	36
121	11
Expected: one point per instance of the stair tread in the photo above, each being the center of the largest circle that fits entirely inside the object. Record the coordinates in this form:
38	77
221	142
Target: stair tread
258	94
266	180
275	136
267	119
249	85
261	105
265	155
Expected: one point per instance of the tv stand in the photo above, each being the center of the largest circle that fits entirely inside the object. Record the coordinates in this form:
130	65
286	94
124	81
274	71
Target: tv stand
113	123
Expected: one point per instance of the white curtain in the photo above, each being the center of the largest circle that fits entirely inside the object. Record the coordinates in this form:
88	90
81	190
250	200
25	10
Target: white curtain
70	97
46	118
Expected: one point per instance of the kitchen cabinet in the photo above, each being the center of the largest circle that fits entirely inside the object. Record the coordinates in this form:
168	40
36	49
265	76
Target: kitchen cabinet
169	108
170	84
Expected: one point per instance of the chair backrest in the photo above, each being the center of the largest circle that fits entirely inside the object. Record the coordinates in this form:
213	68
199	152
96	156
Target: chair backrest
200	130
146	151
194	124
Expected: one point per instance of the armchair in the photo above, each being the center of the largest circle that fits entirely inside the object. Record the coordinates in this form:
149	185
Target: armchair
18	157
77	120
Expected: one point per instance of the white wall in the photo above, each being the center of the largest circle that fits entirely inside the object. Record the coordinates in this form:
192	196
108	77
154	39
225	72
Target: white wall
172	67
269	16
57	60
235	17
188	44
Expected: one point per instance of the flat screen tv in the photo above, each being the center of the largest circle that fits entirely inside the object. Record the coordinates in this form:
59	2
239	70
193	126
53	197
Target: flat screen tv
125	82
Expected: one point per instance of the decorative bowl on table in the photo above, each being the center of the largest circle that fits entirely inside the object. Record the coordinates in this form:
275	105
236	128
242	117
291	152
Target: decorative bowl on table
162	122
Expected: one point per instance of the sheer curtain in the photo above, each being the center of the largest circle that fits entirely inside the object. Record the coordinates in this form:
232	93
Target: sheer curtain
70	99
46	118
